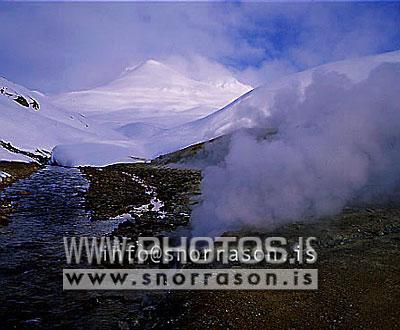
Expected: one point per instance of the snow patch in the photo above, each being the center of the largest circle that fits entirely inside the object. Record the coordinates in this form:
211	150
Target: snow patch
4	176
155	205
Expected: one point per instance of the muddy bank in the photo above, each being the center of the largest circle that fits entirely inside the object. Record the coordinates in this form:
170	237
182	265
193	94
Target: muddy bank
17	171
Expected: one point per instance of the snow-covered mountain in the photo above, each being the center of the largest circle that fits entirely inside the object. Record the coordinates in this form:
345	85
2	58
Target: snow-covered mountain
148	111
155	94
253	108
115	120
37	131
248	111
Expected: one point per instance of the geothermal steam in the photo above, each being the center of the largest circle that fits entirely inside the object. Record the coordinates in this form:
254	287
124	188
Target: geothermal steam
337	143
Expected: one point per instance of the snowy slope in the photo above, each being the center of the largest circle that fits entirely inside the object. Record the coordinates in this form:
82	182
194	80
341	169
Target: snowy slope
253	108
129	111
152	93
248	111
142	104
47	109
28	129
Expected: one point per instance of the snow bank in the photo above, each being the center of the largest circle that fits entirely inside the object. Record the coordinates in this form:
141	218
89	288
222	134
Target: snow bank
91	154
4	176
9	156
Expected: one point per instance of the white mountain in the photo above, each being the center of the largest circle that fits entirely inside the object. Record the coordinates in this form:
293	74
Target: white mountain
248	111
114	120
152	93
253	108
145	112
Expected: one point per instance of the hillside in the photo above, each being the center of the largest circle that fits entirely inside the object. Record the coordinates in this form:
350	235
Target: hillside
253	109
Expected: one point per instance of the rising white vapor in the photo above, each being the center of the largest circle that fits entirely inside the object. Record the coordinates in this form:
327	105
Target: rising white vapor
337	142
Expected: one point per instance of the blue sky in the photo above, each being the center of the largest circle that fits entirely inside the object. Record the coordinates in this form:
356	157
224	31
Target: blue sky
55	47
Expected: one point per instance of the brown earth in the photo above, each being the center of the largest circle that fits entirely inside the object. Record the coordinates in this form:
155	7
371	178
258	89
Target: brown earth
359	284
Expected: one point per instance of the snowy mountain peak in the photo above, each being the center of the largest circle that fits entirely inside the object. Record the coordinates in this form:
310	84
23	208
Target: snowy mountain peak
152	62
154	89
149	65
164	74
149	71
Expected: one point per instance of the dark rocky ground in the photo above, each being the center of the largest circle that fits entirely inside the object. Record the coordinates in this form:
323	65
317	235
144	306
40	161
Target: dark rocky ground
18	170
112	192
358	262
359	283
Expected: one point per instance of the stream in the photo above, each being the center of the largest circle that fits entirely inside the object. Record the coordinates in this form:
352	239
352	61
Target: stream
50	205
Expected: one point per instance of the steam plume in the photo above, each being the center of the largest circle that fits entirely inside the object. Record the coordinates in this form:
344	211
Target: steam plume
337	142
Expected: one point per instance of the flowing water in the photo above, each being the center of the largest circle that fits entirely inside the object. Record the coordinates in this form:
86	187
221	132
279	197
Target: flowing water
50	205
